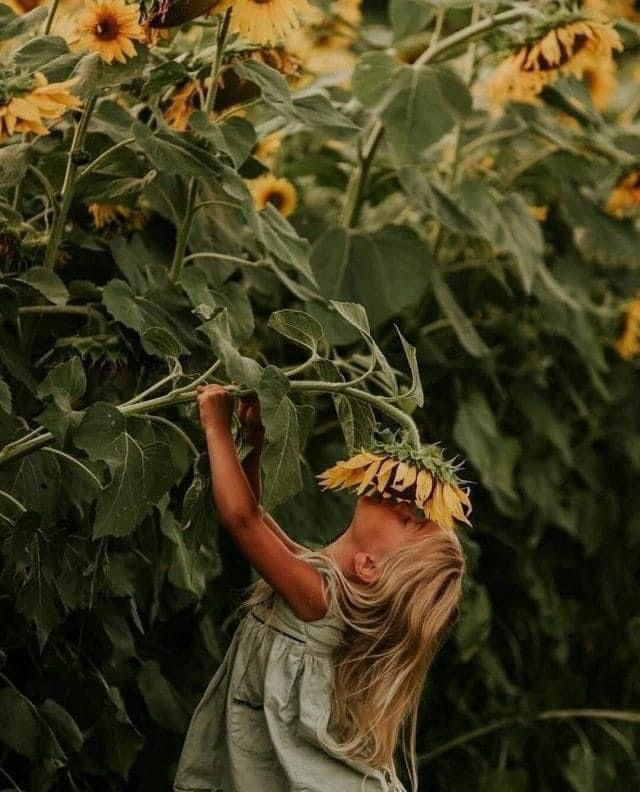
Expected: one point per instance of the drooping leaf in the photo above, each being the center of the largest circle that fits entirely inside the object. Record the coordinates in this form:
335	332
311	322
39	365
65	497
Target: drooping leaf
464	329
281	457
298	326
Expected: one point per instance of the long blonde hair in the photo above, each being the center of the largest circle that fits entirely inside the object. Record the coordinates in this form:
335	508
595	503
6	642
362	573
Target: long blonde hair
393	630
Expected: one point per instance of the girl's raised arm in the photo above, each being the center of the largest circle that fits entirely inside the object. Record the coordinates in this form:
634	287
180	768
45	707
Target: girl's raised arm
295	579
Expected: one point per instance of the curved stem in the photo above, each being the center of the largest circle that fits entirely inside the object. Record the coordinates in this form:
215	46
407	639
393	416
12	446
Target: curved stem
50	17
177	429
102	157
630	716
68	185
402	418
48	187
13	500
75	461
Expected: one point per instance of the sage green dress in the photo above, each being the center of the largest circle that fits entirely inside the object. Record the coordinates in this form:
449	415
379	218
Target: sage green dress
263	723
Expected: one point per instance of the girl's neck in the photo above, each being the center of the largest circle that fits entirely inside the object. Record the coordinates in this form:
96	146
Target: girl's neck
341	550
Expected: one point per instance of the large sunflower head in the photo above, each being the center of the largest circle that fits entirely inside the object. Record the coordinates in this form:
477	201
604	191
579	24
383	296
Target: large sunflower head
109	28
578	46
392	468
269	189
264	21
27	101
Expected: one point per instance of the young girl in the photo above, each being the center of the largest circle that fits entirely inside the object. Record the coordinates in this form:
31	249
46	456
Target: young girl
323	676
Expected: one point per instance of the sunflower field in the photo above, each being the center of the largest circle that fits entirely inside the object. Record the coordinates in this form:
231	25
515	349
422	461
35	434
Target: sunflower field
422	215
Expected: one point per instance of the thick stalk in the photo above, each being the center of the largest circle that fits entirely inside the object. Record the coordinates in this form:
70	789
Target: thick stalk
180	396
189	211
68	185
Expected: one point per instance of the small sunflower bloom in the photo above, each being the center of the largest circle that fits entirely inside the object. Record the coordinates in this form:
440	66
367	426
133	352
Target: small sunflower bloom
109	27
625	195
628	344
279	192
267	148
26	104
187	99
105	214
572	48
264	21
423	478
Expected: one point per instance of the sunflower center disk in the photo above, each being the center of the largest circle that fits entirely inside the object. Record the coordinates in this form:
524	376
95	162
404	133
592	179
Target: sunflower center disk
107	29
276	198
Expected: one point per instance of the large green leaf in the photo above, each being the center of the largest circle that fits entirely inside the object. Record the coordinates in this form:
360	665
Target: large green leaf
281	457
421	105
163	703
12	25
464	329
102	425
20	728
508	224
143	474
385	271
240	368
159	331
357	421
46	282
492	454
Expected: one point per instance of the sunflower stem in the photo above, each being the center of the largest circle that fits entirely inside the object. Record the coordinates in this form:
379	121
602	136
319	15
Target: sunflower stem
68	185
50	17
373	135
190	208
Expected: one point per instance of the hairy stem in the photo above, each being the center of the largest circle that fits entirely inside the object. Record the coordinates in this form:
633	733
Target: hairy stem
68	185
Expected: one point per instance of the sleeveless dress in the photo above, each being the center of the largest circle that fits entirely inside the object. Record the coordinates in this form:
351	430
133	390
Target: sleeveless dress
263	723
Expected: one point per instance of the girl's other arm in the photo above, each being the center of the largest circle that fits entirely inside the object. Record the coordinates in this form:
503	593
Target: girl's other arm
297	581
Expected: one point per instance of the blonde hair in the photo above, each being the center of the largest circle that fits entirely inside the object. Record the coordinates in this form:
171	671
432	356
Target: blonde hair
393	630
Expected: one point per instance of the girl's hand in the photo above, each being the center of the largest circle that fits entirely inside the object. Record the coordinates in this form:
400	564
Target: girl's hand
250	420
214	405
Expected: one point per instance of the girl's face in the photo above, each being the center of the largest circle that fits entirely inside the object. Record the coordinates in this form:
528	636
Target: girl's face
382	525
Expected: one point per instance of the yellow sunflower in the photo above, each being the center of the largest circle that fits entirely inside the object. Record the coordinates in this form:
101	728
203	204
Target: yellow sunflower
269	189
279	59
109	27
264	21
324	43
266	149
104	214
538	213
628	344
572	48
183	103
422	478
31	101
625	195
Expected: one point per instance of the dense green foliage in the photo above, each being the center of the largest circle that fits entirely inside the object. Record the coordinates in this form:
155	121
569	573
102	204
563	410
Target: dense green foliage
413	265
